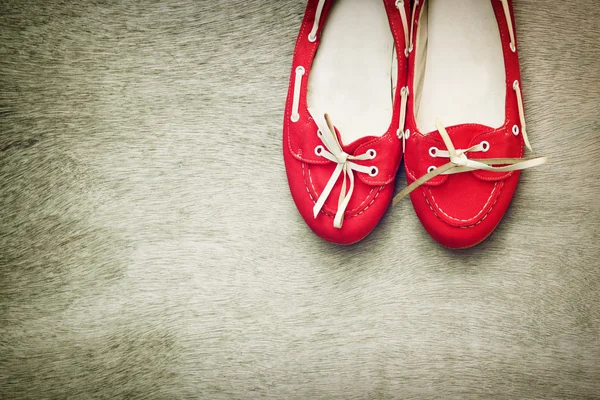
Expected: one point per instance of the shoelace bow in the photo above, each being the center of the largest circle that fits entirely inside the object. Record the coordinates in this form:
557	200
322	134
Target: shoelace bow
332	150
459	162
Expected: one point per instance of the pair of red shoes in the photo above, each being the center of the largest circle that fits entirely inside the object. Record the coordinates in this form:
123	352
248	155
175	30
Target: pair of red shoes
371	81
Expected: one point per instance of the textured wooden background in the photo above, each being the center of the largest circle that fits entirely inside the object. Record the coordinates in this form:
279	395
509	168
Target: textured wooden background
149	248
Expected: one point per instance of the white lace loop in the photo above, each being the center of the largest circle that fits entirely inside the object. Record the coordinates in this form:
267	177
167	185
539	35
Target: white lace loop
404	92
516	86
511	31
333	152
312	36
404	18
300	71
412	25
517	89
459	162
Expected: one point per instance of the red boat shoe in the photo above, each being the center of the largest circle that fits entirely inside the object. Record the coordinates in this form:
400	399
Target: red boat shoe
464	71
342	143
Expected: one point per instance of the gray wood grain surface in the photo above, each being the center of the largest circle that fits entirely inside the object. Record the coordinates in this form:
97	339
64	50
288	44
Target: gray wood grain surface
149	247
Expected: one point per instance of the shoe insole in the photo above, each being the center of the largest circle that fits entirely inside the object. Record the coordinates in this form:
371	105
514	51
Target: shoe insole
351	75
465	80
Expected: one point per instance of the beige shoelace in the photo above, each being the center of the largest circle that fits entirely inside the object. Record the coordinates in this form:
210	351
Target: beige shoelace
515	129
408	37
404	18
401	133
404	93
312	36
511	31
459	162
332	150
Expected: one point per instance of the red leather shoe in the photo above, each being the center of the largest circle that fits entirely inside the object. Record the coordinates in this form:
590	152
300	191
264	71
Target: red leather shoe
464	71
341	170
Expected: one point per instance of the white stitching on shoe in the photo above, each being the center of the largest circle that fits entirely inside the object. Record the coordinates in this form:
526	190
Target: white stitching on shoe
470	226
487	202
354	212
372	201
309	193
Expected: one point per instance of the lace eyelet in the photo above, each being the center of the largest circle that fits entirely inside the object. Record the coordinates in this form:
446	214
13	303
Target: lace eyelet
433	151
295	117
399	133
485	145
300	70
431	168
319	150
373	172
372	153
407	134
515	85
515	130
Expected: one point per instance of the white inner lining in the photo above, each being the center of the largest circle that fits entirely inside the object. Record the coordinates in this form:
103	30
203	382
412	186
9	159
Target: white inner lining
351	75
465	79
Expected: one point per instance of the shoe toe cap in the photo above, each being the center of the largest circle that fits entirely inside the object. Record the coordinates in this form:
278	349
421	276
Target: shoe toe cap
366	207
465	210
